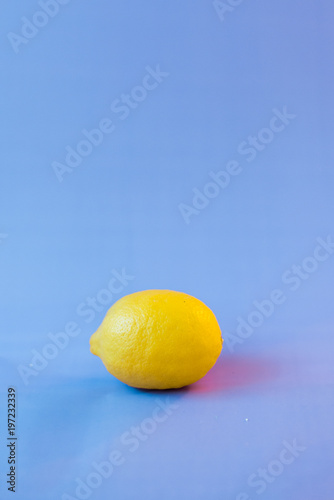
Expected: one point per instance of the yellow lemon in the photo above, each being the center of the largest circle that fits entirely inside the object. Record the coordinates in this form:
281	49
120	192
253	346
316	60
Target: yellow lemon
158	339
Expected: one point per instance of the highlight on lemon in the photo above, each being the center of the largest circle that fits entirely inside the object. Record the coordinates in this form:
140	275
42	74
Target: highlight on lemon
158	339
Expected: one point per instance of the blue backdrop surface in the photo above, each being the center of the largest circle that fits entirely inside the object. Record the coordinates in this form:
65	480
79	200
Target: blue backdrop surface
185	146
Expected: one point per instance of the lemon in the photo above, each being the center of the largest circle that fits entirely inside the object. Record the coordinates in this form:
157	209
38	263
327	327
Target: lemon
158	339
